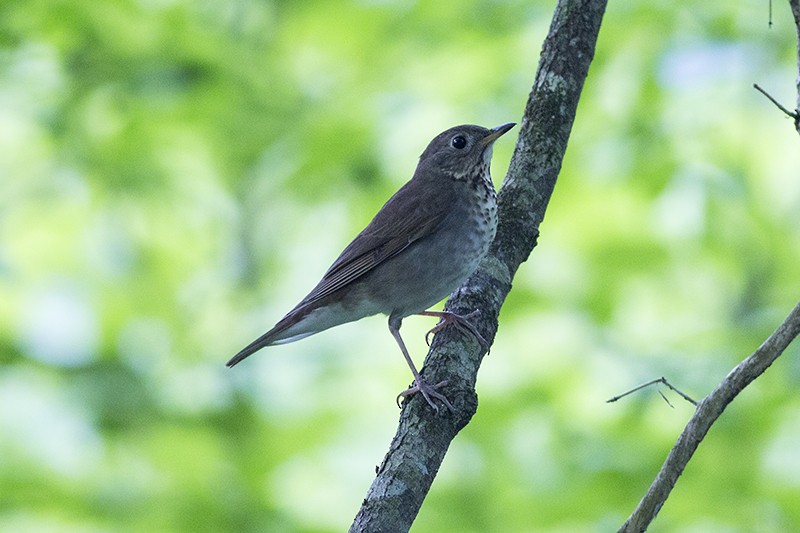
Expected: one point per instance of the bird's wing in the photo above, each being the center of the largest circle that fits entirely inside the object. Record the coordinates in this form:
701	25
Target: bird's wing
388	234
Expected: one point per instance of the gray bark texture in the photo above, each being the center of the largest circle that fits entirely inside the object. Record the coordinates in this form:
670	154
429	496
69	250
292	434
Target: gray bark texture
423	436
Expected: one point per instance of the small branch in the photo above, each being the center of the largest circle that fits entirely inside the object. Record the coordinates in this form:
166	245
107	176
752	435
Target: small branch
795	6
661	380
770	14
791	114
708	410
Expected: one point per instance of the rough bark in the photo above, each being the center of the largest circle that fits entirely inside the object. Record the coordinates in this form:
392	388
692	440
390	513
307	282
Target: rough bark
423	436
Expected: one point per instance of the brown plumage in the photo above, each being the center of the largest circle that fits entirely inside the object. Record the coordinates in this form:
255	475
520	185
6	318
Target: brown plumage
423	243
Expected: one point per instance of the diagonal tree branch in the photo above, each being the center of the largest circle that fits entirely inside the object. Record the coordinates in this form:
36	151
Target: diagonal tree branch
707	412
740	377
423	437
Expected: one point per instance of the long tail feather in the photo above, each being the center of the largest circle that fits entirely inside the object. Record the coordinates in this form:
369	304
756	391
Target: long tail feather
250	349
277	335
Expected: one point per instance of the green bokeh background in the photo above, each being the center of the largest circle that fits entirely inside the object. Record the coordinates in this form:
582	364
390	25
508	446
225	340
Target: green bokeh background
175	176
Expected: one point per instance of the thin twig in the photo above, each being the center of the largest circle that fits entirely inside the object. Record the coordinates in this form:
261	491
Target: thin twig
707	412
663	397
770	14
791	114
661	380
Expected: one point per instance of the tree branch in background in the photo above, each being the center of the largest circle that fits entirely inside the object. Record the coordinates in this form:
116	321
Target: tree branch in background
661	380
714	404
422	439
795	115
791	114
709	409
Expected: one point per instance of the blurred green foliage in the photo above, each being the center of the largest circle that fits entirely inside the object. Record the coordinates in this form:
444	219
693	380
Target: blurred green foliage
175	175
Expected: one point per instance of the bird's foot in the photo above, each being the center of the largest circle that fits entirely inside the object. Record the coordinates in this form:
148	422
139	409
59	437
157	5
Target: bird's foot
460	321
428	392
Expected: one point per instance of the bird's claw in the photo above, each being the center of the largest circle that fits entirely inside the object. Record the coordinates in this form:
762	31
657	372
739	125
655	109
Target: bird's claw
428	392
461	321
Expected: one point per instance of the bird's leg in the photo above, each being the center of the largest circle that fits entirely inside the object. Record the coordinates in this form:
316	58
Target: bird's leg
428	391
446	317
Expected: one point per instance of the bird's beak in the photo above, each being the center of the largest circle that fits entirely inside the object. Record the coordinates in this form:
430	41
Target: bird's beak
496	133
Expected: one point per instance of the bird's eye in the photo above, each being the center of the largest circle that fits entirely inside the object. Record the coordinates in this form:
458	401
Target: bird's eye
459	142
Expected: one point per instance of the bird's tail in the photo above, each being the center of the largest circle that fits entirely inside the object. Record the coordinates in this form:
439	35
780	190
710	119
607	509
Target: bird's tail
250	349
280	334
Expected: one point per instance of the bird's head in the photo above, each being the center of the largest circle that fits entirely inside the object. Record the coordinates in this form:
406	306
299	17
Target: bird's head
457	152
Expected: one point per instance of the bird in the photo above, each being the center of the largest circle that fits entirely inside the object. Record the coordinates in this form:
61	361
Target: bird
425	241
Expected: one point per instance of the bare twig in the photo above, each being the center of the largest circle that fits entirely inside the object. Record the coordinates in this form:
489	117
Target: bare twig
664	397
707	412
770	14
795	6
791	114
662	380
